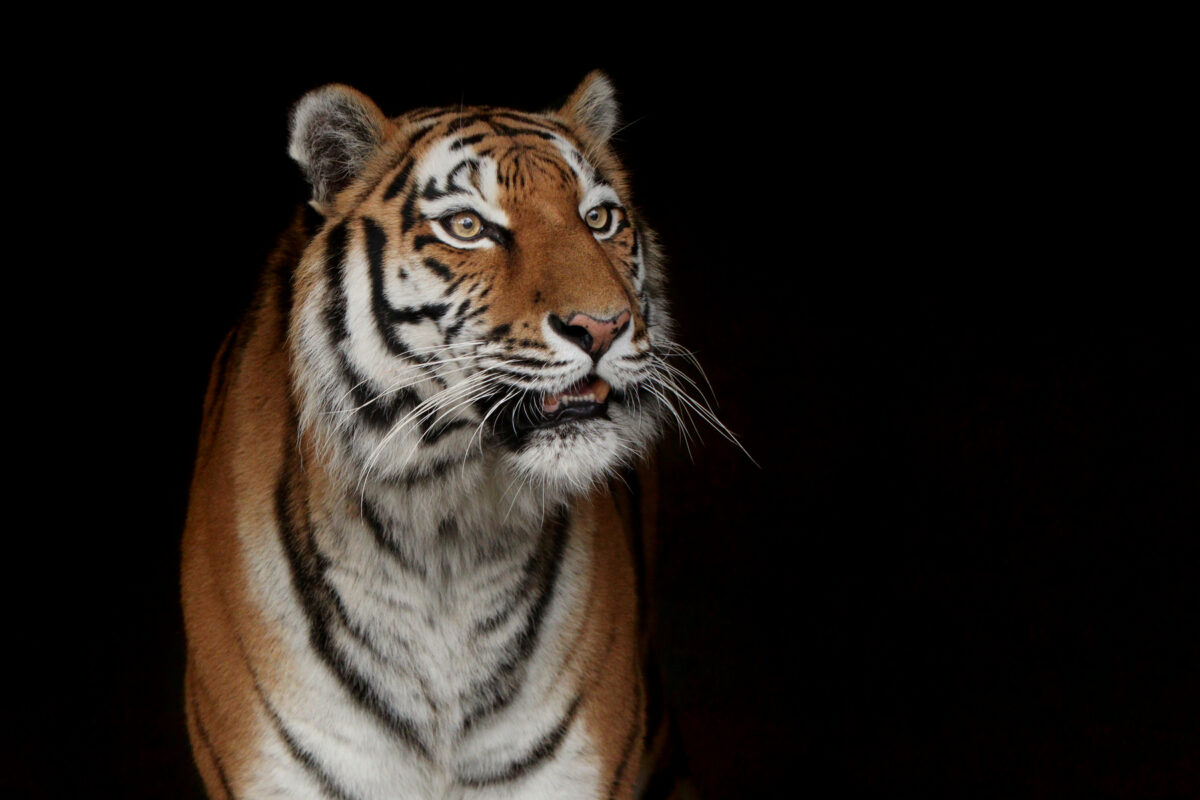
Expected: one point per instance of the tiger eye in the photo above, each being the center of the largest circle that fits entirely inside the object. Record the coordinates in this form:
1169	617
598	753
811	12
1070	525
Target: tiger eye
597	218
466	225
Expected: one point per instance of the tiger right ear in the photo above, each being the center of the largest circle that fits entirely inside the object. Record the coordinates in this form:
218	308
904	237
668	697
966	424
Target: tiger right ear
592	107
335	131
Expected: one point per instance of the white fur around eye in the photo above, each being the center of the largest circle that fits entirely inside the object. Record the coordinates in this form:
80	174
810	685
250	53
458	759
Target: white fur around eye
602	195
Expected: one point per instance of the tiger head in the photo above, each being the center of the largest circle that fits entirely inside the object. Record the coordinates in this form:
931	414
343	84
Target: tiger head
480	291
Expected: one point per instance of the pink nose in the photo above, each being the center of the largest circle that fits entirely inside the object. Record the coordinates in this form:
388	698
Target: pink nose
589	334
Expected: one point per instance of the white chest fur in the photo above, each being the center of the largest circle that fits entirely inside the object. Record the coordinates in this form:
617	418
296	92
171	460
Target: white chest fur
430	659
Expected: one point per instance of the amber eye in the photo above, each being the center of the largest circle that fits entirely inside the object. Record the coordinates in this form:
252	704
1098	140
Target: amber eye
597	218
465	225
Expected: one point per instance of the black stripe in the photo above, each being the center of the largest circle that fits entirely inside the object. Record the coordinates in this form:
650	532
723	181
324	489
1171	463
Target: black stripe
654	697
436	432
541	577
297	752
467	140
627	748
422	114
509	130
669	771
452	185
634	482
465	121
205	740
431	190
335	273
543	750
378	410
230	354
439	269
307	568
530	119
306	759
536	363
399	182
430	472
376	241
411	315
386	541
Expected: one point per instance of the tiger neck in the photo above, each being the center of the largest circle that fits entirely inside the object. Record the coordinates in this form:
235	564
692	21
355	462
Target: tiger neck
448	521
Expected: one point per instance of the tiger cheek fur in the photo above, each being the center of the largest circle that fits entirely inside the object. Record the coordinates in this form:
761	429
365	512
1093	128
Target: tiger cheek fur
405	571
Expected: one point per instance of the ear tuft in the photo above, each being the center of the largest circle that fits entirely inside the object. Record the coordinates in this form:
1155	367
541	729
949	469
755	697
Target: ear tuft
335	131
592	107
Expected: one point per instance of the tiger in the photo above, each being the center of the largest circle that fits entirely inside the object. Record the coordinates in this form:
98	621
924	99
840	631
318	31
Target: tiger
422	497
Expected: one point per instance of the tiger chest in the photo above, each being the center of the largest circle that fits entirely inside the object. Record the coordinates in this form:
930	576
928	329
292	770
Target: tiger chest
446	657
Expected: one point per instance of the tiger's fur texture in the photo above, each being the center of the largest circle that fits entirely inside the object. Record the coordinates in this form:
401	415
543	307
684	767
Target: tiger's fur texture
405	574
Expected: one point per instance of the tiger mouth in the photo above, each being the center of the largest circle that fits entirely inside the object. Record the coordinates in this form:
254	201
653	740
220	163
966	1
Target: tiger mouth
585	399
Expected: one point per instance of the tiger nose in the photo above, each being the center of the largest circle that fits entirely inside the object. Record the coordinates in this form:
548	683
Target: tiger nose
589	334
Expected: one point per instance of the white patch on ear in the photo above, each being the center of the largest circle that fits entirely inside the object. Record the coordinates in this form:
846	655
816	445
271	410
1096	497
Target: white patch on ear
593	108
335	131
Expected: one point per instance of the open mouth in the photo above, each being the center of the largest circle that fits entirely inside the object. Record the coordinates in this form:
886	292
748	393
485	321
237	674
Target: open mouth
586	398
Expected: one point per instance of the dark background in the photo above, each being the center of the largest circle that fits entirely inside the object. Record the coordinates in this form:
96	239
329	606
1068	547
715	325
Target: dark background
930	283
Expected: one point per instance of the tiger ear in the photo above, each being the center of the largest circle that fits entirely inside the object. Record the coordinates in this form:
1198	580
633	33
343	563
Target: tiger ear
592	107
335	131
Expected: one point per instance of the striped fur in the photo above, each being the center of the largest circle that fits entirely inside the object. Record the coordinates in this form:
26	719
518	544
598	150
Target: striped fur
400	579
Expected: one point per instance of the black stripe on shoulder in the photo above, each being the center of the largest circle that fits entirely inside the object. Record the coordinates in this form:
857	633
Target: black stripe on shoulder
306	759
328	787
627	749
542	750
205	740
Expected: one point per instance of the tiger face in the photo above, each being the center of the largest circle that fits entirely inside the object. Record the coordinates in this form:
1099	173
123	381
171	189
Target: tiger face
481	292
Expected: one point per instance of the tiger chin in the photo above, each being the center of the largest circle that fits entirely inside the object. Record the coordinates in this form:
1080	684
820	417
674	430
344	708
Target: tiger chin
409	567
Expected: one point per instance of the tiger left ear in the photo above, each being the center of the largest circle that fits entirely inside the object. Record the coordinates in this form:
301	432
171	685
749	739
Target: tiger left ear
592	108
335	132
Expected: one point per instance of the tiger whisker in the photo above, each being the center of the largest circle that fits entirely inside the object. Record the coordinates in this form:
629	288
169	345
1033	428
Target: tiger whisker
704	411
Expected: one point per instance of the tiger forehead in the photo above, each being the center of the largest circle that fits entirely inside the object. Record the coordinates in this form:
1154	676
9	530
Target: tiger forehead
527	150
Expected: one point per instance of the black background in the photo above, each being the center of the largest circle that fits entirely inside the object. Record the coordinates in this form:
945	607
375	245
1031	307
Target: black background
927	279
